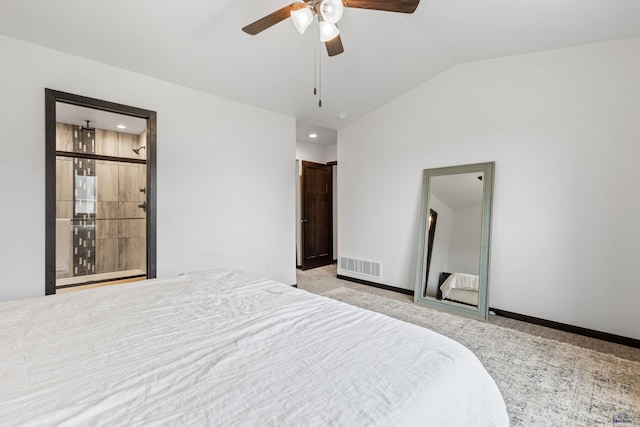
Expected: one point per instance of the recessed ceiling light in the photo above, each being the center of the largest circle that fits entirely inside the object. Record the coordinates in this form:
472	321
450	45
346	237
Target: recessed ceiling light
122	127
313	135
342	116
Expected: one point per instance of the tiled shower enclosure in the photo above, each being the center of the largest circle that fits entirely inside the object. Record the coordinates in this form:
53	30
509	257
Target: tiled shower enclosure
100	205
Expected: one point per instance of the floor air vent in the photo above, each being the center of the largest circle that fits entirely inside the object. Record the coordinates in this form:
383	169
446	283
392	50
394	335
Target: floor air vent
360	266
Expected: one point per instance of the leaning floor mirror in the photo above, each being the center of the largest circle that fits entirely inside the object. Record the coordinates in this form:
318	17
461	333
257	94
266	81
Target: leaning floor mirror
453	251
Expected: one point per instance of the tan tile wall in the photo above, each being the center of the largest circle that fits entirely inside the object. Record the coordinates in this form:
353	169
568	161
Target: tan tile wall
120	223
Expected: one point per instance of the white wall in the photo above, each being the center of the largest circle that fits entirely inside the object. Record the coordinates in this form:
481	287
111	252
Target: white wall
316	152
464	252
225	189
334	178
331	153
563	127
310	152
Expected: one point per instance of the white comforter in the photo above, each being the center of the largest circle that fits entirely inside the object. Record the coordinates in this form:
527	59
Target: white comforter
217	349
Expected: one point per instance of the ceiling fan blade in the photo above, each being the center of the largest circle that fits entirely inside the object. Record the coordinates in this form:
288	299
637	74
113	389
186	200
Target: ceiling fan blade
403	6
334	46
272	19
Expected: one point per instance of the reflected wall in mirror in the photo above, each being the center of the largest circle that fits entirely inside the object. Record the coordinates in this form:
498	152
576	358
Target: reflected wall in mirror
453	250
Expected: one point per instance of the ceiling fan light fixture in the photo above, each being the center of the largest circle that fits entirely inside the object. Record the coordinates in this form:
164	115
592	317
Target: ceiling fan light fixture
328	31
331	10
302	18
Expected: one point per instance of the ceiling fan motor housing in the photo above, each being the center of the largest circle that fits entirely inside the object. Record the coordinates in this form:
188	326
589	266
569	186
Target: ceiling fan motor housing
329	12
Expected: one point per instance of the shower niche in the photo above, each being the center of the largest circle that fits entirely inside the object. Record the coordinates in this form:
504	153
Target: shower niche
102	198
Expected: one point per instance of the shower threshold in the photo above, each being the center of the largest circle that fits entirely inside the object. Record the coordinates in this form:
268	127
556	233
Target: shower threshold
98	278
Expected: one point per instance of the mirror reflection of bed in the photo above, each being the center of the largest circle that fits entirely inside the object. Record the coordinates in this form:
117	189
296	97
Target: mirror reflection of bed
453	259
459	287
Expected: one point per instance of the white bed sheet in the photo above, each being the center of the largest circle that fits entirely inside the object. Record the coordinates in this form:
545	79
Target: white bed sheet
218	349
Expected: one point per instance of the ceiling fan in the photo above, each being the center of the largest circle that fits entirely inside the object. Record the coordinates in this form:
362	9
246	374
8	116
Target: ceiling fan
328	13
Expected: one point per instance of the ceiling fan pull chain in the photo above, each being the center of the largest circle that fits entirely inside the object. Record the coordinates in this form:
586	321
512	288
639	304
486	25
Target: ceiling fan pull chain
320	78
319	58
315	65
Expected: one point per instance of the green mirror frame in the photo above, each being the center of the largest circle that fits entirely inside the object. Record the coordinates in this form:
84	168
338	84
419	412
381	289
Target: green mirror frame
482	310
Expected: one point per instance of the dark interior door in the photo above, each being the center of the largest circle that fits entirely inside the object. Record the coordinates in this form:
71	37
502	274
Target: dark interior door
317	224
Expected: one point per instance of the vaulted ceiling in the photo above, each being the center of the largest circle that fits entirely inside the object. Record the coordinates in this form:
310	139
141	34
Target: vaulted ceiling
199	44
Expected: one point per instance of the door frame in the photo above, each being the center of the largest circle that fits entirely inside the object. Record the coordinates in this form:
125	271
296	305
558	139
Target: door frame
51	98
304	263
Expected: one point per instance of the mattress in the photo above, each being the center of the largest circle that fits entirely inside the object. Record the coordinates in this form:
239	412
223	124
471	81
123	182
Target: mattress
464	296
217	348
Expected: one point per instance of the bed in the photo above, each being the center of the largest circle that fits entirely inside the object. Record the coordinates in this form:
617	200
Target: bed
218	348
459	287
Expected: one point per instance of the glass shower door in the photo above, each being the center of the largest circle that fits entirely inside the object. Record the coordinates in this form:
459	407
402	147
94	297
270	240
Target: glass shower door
101	177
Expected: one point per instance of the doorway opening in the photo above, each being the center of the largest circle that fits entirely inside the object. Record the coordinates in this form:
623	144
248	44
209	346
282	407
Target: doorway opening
100	207
316	211
316	215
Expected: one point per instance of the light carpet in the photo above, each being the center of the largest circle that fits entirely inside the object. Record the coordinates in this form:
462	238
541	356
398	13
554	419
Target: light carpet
543	382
